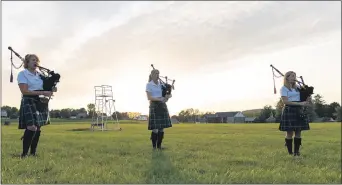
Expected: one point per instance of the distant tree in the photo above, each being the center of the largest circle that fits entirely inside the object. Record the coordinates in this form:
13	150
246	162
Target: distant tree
73	112
311	113
174	117
330	110
183	114
82	110
14	112
65	113
91	109
52	113
132	115
117	114
196	114
266	113
57	113
279	109
319	105
191	115
124	115
210	112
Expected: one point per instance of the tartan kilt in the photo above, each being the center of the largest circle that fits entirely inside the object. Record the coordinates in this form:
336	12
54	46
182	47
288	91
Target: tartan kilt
293	119
158	116
29	114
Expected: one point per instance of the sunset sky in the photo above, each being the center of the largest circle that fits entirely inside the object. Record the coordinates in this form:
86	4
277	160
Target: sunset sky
218	52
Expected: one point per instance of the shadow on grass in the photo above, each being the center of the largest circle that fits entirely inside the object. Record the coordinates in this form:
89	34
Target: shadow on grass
90	130
80	130
241	163
86	130
161	170
17	155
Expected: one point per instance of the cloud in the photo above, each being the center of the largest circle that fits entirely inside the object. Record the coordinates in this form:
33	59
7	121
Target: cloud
179	35
187	33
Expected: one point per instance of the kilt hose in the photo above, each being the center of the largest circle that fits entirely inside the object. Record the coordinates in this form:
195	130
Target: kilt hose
159	117
32	112
293	119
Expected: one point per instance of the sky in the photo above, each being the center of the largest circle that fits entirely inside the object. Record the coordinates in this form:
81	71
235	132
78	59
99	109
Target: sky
219	53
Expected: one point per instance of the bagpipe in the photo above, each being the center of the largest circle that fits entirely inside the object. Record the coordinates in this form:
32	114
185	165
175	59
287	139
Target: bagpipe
304	90
166	87
50	78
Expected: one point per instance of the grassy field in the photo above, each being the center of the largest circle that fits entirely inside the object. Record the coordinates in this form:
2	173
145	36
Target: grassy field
212	153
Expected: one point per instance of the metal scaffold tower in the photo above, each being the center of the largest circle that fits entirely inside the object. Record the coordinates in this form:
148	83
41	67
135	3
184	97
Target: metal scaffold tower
104	109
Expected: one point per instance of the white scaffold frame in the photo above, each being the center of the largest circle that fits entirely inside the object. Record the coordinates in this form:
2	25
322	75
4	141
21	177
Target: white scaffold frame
104	109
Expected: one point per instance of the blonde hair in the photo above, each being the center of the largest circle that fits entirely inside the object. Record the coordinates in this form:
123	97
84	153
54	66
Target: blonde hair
153	72
27	59
286	81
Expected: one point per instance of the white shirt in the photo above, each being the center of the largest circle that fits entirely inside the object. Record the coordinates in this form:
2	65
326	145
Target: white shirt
154	89
33	81
293	95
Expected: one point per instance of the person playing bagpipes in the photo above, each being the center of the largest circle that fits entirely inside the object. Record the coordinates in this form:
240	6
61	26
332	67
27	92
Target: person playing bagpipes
159	117
33	114
293	120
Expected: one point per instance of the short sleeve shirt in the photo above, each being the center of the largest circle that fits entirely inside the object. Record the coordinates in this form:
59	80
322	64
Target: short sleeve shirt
292	95
154	89
33	81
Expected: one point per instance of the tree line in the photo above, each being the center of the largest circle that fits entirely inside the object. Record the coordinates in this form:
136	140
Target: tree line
320	109
66	113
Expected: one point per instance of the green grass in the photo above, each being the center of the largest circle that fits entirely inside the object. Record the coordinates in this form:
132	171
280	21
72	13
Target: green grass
202	153
75	121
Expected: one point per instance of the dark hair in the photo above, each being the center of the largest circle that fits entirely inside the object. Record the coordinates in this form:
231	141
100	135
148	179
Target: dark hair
27	59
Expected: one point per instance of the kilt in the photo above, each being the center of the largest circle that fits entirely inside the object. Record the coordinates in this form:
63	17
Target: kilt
29	114
159	116
293	119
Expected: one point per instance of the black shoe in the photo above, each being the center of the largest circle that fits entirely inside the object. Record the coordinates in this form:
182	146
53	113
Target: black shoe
297	144
34	143
23	155
296	154
154	138
288	144
33	155
160	140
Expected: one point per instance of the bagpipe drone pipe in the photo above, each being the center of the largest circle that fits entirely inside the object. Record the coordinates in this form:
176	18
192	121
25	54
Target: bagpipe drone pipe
166	87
